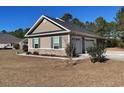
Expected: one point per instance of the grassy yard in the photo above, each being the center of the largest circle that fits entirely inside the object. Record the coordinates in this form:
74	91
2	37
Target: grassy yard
28	71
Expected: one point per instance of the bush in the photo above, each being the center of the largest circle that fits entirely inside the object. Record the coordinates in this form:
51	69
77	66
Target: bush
16	46
70	50
28	53
48	55
25	48
35	53
121	44
96	53
112	43
115	43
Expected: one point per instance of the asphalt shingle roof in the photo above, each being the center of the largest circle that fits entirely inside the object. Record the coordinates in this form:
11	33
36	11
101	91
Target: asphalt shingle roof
74	28
68	25
7	38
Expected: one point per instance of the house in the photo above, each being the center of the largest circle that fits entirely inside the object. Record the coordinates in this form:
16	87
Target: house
50	36
7	41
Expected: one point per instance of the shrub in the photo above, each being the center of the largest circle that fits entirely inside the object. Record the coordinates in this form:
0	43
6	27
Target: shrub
121	44
115	43
25	48
112	43
96	53
70	50
48	55
16	46
35	53
28	53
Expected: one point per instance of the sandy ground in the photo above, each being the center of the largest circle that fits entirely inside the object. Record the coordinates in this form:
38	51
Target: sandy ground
28	71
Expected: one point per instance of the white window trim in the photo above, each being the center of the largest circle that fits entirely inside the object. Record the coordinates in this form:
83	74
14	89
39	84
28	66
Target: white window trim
54	43
39	43
69	40
62	32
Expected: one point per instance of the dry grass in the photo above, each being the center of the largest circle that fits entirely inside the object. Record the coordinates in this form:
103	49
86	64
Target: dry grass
29	71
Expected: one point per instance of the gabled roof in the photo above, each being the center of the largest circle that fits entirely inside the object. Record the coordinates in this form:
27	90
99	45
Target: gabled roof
7	38
40	20
69	27
65	24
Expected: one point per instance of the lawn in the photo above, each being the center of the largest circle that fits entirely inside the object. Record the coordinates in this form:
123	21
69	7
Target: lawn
30	71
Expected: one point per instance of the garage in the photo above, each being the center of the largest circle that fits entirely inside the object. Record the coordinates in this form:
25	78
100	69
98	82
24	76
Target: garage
89	42
81	44
77	42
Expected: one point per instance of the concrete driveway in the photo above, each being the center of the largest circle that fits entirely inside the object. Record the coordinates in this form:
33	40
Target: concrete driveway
116	55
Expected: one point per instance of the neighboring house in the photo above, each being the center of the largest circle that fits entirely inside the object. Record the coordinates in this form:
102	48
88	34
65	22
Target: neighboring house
23	42
7	41
50	36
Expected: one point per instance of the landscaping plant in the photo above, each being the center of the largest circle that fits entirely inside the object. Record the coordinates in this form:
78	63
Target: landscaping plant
35	53
16	46
25	48
97	53
28	53
70	51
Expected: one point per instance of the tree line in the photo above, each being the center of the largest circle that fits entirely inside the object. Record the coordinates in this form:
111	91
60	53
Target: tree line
19	33
100	26
113	29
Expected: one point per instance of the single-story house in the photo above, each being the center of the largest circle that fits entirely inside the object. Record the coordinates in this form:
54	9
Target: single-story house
7	41
51	35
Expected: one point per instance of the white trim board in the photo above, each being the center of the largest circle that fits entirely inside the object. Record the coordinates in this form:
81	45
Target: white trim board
43	16
62	32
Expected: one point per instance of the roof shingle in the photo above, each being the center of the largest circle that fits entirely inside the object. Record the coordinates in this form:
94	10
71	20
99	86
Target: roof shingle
7	38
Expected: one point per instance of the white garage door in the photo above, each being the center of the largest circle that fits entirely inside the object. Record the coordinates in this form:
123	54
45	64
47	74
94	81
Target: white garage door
89	43
78	44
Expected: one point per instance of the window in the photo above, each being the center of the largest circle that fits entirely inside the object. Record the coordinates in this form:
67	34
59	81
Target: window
56	42
36	42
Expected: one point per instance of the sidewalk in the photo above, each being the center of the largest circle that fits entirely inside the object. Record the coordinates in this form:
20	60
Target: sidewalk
82	56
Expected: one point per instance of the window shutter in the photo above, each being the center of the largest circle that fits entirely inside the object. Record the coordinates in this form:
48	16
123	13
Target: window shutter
39	42
60	41
51	42
32	42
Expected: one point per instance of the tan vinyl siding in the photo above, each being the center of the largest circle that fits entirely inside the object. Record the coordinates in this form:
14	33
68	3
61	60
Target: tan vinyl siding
45	42
45	46
29	43
46	26
65	40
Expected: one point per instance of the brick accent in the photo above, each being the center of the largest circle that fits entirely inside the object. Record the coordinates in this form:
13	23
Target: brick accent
56	52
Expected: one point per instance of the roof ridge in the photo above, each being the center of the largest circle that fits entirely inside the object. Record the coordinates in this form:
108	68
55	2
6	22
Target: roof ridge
69	26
